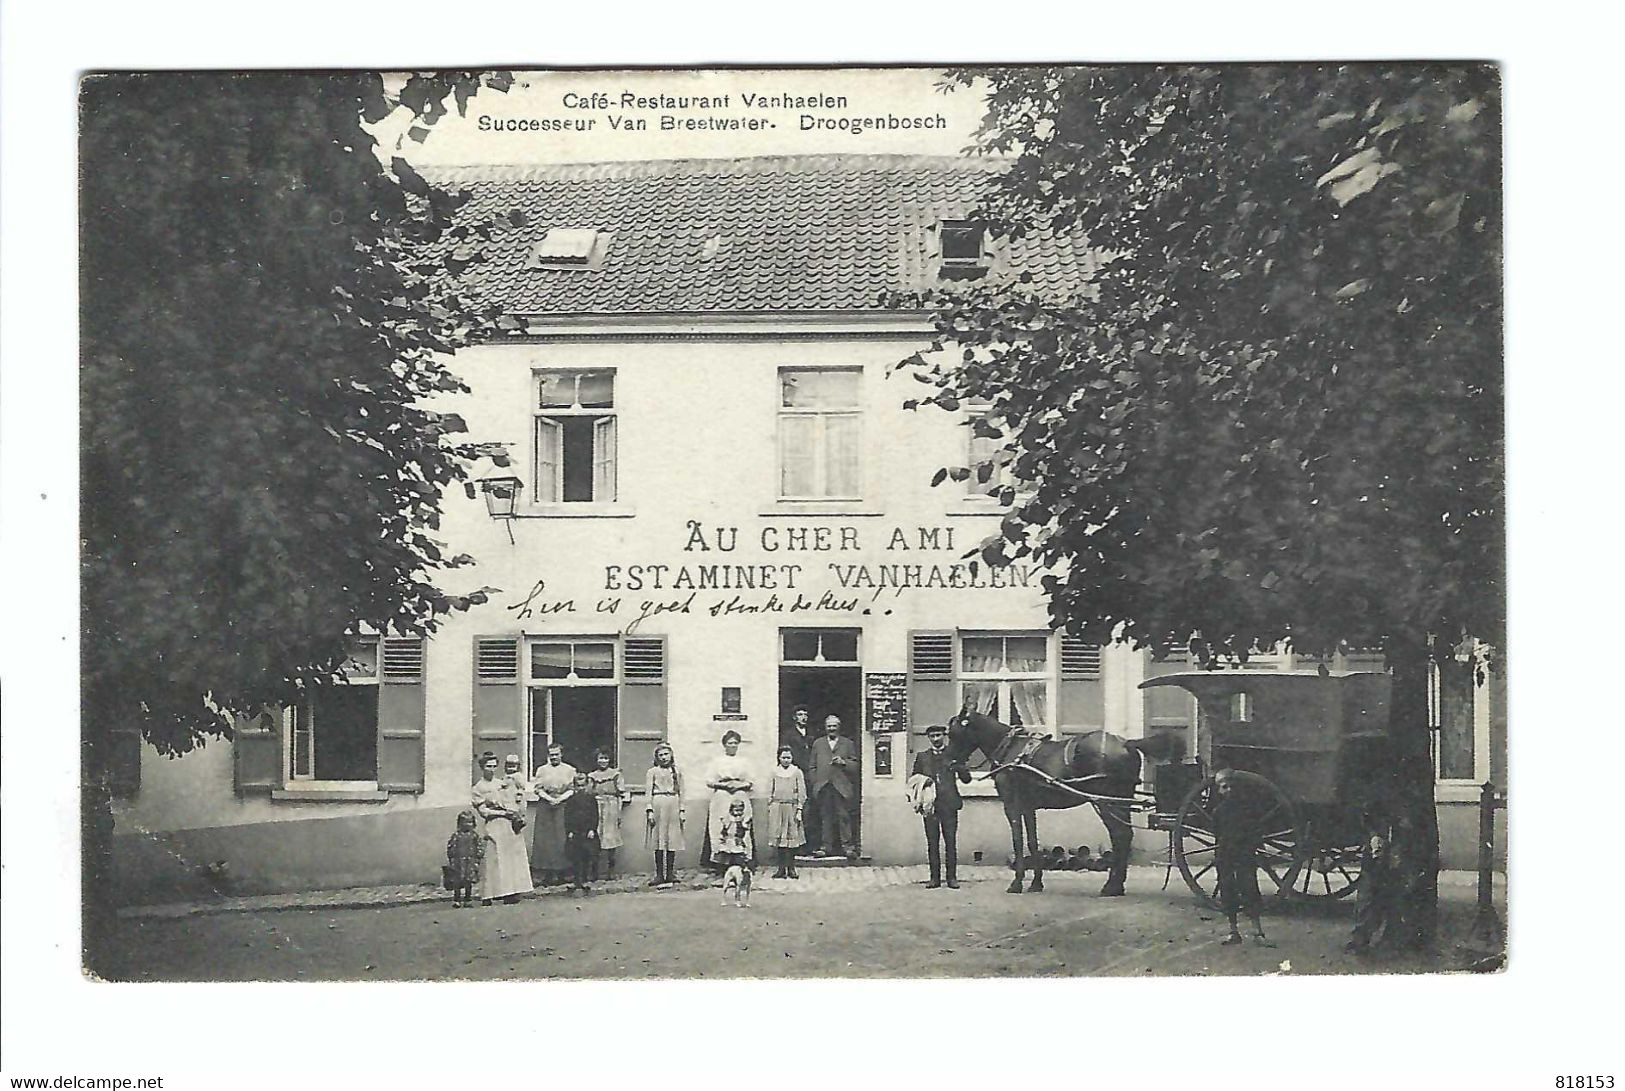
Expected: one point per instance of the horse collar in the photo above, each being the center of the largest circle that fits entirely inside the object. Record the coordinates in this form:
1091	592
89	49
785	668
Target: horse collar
1010	736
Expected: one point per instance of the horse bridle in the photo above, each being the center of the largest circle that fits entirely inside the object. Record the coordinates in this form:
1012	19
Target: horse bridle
992	760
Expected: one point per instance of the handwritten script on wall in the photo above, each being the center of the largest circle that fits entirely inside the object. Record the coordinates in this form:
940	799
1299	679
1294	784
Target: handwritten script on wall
783	573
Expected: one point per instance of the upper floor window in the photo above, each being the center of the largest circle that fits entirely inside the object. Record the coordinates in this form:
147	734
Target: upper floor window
575	437
819	417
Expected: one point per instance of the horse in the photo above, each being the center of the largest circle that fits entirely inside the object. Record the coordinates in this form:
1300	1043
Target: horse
1103	765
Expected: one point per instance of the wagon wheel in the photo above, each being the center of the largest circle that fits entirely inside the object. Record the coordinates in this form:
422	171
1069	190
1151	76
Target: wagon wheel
1325	871
1194	844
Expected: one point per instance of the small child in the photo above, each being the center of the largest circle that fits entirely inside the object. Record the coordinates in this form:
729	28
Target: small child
1237	833
581	831
465	856
734	852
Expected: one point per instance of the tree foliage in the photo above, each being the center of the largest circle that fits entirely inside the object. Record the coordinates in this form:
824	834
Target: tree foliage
265	306
1276	410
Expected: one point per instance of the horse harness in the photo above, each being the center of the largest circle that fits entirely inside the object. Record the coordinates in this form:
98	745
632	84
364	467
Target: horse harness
1004	758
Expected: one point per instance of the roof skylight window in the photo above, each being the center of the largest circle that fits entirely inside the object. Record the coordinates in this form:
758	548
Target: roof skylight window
962	247
565	247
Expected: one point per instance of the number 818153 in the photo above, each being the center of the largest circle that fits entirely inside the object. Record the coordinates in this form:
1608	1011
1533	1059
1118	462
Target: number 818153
1584	1083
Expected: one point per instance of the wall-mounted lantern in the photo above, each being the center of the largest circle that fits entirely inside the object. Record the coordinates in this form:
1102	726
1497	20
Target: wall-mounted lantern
501	496
1241	708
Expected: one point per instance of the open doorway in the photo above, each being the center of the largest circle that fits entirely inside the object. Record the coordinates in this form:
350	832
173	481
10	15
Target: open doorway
820	671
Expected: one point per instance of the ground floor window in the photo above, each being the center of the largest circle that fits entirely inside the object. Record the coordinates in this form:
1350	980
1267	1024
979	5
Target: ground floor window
333	734
1454	721
573	700
1007	676
580	719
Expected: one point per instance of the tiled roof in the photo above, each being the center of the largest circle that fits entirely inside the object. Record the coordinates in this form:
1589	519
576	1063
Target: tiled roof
801	233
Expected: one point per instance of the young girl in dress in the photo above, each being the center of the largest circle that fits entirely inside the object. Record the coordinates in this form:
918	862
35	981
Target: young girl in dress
734	852
786	803
610	791
664	832
465	851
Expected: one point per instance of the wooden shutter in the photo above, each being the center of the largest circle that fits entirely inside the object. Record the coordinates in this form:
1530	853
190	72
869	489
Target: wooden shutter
256	752
549	460
498	713
642	717
1081	702
931	696
401	714
603	459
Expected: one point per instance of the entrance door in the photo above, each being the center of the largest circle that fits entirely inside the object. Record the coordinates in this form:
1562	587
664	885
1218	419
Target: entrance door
819	670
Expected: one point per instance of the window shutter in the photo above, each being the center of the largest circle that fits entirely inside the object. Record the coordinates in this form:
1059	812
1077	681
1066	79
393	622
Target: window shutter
603	459
256	752
643	704
1169	709
1081	702
401	715
931	697
498	712
549	460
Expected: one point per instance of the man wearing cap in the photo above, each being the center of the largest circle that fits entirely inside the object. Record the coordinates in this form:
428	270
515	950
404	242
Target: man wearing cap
942	820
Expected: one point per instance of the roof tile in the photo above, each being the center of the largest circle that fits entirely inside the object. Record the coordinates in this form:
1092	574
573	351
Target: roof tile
800	233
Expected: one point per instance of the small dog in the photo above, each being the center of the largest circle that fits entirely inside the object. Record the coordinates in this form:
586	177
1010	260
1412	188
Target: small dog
735	852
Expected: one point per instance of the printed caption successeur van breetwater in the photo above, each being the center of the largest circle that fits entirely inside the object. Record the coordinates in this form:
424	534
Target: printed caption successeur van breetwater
627	111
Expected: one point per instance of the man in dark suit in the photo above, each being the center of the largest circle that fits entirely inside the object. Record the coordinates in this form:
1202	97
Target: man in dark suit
942	822
834	786
795	736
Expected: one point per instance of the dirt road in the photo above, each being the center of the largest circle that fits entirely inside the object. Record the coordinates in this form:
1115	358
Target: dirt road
856	931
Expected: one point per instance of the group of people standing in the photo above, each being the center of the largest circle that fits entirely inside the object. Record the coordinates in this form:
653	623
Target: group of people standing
577	827
574	817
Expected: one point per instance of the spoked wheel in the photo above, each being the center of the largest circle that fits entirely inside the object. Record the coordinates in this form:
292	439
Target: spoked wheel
1195	845
1326	872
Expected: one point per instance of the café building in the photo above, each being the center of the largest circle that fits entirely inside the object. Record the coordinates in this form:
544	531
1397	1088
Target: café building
713	509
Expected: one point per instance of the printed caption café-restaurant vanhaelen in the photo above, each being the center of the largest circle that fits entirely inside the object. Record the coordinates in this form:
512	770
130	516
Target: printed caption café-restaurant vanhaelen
716	509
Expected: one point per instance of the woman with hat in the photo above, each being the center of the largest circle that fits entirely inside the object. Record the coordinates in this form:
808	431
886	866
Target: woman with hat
554	783
501	806
729	781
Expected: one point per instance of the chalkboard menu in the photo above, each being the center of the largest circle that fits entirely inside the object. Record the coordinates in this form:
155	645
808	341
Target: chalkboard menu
885	702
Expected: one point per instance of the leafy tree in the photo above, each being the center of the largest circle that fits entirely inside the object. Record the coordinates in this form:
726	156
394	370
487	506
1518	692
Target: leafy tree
1275	413
265	304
